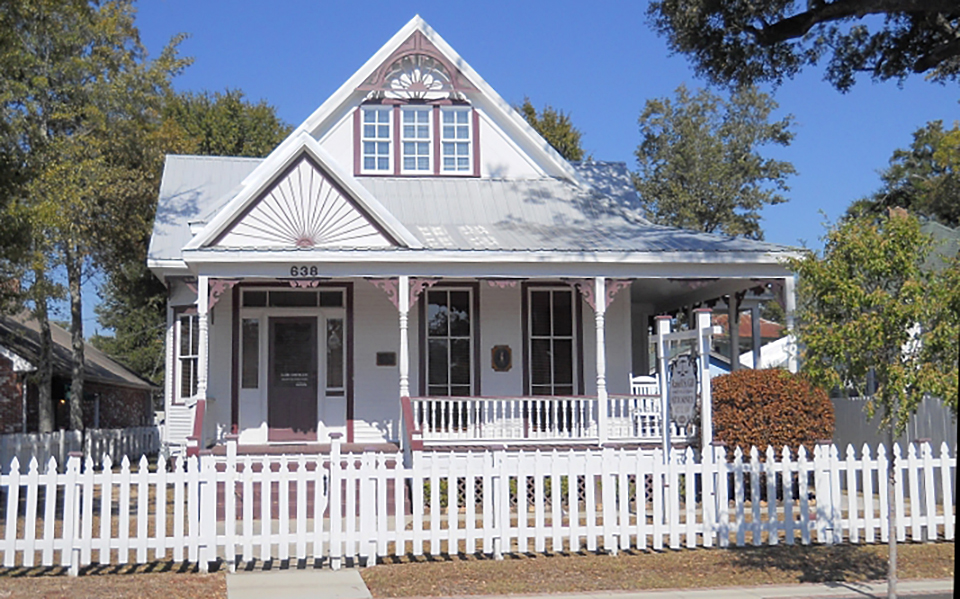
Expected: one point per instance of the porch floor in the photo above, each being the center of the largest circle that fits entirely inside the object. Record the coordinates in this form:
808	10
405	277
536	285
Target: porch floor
304	448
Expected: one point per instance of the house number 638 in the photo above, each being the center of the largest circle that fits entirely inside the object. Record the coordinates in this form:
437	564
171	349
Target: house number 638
303	271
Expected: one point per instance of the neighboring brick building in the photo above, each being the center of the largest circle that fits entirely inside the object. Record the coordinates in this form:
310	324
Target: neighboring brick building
114	397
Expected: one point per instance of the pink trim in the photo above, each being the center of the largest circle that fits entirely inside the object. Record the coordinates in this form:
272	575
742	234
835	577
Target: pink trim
476	141
304	283
614	286
396	141
436	140
411	435
417	43
502	283
586	289
217	288
390	287
418	286
357	141
196	438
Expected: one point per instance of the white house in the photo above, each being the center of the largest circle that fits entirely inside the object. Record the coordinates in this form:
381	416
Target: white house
416	238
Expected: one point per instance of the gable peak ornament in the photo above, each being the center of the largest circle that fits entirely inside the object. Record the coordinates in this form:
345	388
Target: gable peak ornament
416	70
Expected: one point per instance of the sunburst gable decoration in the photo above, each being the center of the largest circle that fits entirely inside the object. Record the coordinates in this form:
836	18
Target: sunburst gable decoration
304	209
416	70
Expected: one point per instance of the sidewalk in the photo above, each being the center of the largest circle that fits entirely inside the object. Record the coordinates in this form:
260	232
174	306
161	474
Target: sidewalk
347	584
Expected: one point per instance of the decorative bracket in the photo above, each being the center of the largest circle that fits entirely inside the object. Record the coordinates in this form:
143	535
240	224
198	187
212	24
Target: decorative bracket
217	288
418	286
586	288
614	286
388	286
304	283
503	283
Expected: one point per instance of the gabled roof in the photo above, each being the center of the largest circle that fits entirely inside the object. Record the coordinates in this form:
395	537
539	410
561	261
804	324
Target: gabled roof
468	214
20	334
520	132
260	180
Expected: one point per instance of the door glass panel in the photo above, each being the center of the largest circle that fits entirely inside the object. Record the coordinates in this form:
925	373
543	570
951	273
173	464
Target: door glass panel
552	351
449	345
254	299
293	299
335	356
250	348
331	299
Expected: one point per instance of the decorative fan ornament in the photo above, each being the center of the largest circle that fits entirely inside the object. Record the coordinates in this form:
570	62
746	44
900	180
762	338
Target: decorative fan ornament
304	210
417	77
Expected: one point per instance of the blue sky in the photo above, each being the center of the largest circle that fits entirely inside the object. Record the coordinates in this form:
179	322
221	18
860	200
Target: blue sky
599	61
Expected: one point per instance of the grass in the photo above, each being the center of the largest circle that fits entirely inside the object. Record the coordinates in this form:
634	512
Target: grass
634	570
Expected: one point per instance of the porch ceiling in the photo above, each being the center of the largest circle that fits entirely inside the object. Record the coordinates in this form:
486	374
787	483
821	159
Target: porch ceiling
667	294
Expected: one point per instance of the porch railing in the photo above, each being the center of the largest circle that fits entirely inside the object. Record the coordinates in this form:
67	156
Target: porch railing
537	419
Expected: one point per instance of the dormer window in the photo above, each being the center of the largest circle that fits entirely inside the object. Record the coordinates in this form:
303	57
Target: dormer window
375	138
456	139
416	139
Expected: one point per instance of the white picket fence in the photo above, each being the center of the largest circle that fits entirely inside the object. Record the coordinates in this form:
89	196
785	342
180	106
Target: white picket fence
369	505
95	443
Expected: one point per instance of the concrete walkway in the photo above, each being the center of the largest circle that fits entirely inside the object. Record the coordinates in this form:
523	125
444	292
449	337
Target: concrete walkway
347	584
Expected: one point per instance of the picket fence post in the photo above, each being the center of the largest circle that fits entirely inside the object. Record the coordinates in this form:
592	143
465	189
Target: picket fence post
70	553
501	503
336	512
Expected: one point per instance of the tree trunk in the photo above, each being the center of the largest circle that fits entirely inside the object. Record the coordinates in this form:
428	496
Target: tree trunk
74	264
891	517
45	367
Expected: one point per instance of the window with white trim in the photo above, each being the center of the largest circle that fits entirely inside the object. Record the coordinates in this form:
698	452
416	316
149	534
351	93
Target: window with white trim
375	138
456	140
416	138
187	346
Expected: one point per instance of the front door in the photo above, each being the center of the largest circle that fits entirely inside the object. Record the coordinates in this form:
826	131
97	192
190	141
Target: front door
292	381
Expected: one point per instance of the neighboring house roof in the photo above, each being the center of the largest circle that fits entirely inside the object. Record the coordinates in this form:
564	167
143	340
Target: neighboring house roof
460	213
20	334
768	328
946	244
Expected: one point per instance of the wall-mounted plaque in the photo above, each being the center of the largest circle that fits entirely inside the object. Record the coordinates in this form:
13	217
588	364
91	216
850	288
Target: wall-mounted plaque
501	358
386	358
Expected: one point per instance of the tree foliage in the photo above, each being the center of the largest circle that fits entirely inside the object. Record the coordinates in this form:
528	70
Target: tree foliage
924	178
736	42
868	304
134	300
76	95
699	161
224	124
556	127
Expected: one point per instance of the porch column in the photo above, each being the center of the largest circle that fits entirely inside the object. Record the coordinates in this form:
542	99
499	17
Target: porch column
203	308
733	322
403	300
790	307
168	366
704	325
755	333
663	327
600	298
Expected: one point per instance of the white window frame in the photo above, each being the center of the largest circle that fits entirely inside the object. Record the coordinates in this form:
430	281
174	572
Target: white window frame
451	141
377	139
181	358
416	139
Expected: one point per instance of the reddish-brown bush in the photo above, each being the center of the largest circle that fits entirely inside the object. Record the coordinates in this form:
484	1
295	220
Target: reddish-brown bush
769	407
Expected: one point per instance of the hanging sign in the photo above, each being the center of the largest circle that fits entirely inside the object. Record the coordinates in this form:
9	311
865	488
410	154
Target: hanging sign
683	389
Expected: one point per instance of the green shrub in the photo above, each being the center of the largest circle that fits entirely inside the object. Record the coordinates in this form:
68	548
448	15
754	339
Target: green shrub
769	407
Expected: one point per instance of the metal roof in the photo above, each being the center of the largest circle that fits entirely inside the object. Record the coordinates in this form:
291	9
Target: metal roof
462	213
192	188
